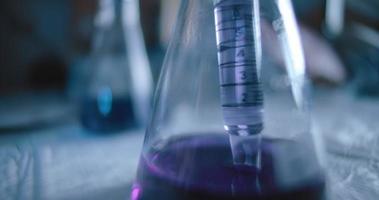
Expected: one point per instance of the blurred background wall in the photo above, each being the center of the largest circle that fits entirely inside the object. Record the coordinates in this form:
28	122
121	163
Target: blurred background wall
41	39
34	37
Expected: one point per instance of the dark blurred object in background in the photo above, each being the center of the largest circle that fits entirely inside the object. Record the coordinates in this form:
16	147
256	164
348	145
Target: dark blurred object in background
33	44
81	25
310	12
150	13
40	39
47	72
150	19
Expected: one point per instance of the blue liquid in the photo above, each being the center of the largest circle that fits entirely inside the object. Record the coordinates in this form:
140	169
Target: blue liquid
201	168
115	115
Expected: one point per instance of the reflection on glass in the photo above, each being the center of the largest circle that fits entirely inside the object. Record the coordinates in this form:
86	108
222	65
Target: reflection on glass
218	130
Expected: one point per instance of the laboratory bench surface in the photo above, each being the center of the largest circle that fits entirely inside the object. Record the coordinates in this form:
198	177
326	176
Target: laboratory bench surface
58	160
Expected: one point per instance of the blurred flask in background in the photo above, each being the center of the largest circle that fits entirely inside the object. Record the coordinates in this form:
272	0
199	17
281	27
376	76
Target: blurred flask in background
118	83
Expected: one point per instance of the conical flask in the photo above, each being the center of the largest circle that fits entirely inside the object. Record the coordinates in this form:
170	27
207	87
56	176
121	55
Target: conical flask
227	122
119	86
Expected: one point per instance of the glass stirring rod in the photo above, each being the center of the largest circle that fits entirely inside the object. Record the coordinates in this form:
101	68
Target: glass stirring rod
239	59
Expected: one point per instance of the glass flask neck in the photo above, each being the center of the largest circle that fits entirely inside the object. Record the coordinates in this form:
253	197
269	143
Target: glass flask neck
122	12
113	20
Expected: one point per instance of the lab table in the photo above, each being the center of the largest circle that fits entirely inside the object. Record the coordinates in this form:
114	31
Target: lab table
57	159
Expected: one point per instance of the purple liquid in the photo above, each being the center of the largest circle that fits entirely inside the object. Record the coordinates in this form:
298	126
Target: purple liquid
201	168
119	117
